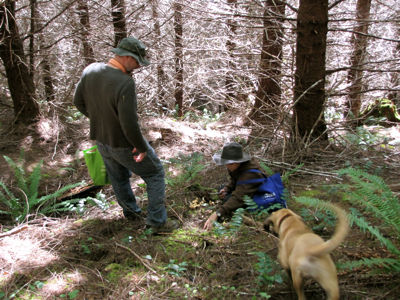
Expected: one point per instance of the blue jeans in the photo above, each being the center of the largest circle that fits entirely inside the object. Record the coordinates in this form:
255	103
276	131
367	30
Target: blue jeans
120	165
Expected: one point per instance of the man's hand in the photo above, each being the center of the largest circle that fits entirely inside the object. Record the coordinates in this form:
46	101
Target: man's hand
139	156
209	223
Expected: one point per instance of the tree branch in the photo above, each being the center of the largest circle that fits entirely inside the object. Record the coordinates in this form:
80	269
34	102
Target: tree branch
367	35
50	21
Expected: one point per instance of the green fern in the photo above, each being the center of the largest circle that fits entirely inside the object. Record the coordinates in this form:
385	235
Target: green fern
316	203
28	185
268	269
267	169
257	211
364	225
371	192
389	264
190	166
237	220
285	177
8	198
354	218
235	224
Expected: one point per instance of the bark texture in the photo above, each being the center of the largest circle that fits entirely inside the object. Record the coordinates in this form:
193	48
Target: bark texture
119	22
269	88
309	90
20	83
83	11
178	27
359	42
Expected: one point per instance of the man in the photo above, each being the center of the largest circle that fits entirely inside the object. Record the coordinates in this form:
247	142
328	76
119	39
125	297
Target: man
106	94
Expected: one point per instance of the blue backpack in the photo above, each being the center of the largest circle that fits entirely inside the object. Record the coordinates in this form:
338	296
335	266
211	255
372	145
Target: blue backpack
269	192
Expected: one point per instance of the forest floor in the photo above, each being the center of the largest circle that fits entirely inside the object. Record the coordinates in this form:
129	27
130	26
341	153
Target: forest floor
101	255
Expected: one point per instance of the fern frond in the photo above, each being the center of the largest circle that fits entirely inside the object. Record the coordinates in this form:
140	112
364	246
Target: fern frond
13	204
67	205
372	192
25	208
353	218
18	172
237	220
42	200
314	203
285	177
364	225
33	180
267	169
3	198
389	264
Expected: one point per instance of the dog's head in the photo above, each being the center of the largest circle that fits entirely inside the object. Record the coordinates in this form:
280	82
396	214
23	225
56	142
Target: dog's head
276	219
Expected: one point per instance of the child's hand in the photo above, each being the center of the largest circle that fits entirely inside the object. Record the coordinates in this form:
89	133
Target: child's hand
209	223
222	194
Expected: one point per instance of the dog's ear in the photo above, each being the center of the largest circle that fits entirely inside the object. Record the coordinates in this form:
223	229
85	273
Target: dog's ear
267	224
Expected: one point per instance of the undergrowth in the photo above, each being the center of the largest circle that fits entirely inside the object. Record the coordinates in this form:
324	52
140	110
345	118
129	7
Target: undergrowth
28	202
367	192
188	167
371	194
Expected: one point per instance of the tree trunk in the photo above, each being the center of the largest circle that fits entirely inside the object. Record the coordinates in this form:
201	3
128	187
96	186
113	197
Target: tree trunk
309	92
47	79
83	11
44	63
118	17
394	95
161	76
20	83
230	46
359	44
178	27
32	38
269	88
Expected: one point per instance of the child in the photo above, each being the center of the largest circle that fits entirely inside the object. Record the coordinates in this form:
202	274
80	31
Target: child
237	163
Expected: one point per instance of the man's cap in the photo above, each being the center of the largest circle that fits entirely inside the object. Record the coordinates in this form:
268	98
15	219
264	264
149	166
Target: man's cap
231	153
132	47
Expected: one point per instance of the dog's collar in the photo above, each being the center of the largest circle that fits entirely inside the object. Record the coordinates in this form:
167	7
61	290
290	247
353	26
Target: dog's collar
283	219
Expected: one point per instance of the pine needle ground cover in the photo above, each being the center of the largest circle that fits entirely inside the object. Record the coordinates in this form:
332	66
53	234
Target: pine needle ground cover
97	254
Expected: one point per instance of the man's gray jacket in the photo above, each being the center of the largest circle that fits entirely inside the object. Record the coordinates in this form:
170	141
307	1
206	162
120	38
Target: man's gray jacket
107	96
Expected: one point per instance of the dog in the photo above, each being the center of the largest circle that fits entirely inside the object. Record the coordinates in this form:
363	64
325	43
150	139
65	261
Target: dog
303	254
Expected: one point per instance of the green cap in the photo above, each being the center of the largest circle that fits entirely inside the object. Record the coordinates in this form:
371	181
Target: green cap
132	47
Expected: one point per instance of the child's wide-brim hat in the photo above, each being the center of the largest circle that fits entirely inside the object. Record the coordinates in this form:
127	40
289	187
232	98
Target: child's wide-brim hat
231	153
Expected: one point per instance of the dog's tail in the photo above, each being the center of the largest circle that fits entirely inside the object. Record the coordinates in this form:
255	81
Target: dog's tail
342	228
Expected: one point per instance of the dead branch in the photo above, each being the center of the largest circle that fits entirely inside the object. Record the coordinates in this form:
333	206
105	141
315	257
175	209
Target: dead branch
14	231
138	257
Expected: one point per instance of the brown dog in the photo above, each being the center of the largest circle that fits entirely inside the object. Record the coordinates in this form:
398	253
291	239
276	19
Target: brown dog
303	254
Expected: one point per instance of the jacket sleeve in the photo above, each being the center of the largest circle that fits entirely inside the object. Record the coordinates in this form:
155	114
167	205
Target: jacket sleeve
129	119
79	101
236	201
230	186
